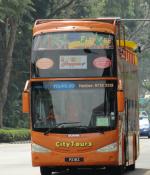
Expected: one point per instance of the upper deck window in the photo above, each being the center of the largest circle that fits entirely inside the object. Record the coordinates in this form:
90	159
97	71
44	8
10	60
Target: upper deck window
73	40
62	54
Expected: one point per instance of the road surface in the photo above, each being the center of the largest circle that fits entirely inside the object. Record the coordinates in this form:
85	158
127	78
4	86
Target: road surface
15	159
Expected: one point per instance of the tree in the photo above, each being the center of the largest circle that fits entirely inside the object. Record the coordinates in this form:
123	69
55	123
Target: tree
50	8
11	13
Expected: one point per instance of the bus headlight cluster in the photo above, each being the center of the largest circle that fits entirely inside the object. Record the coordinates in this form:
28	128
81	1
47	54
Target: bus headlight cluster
38	148
108	148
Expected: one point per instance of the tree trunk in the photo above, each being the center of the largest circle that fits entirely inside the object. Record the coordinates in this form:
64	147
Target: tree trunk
6	78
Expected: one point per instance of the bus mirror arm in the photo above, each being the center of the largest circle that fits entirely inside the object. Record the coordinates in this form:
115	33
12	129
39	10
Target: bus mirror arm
121	99
25	98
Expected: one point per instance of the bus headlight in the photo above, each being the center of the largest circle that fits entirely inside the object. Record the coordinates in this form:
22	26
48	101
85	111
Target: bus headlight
108	148
40	149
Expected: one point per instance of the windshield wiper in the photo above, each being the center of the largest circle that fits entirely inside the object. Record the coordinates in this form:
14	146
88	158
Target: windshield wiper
96	129
81	126
59	124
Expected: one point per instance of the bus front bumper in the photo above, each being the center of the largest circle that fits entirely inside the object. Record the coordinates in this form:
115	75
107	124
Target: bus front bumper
57	159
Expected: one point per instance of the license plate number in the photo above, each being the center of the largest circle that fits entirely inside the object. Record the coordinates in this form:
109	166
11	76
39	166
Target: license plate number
74	159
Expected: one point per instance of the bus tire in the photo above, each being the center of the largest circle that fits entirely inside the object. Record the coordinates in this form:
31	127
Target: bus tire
117	170
131	167
45	171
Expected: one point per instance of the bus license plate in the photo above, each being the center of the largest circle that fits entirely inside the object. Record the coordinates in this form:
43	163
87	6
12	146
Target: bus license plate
74	159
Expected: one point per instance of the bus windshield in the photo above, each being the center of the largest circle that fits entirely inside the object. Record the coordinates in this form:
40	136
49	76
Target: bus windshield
73	54
83	106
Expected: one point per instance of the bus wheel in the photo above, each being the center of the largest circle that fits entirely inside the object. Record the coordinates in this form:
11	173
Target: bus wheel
131	167
45	171
117	170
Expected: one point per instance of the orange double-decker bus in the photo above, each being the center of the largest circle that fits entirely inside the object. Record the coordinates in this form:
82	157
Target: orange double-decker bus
82	96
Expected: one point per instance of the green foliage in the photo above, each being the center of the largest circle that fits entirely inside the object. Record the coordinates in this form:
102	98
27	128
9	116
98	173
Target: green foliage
115	8
14	117
11	13
13	135
14	8
146	84
96	8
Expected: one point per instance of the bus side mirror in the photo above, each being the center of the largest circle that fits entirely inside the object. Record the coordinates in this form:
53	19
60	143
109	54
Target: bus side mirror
120	97
25	102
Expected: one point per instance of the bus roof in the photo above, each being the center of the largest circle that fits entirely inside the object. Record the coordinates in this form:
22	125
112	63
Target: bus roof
111	20
107	25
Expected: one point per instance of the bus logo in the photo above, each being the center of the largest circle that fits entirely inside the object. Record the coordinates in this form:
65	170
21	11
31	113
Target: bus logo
102	62
63	85
60	144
